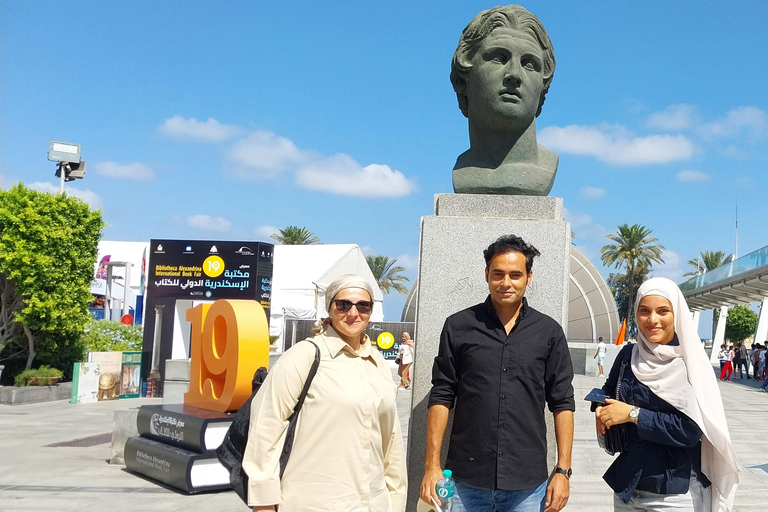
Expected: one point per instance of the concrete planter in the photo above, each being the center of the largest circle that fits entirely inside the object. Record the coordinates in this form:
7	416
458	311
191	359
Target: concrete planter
12	395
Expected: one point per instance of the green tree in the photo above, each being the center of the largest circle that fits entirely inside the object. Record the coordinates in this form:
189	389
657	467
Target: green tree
387	274
621	286
108	336
48	246
635	250
294	235
708	260
740	324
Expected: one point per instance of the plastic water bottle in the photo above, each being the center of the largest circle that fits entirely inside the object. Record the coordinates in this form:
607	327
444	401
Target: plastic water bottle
445	489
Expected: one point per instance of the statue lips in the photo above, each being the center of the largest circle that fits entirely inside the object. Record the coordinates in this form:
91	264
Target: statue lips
512	96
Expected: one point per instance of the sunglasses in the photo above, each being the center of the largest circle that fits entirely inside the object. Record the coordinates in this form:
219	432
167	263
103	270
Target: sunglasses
363	307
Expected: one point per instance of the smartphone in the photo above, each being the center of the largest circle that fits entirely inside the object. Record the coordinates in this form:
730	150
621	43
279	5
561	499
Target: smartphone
597	395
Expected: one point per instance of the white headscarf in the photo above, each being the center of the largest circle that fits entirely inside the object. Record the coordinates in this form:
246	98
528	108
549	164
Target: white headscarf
683	377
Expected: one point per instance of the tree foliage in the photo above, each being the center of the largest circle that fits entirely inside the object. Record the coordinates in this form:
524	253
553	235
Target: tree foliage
622	287
109	336
740	324
709	260
387	274
48	246
294	235
636	250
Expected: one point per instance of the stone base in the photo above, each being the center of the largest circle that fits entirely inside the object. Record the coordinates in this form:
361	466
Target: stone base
451	278
12	395
123	427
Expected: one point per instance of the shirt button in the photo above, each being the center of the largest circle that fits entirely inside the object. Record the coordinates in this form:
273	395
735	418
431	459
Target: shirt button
501	426
503	397
506	344
501	453
504	370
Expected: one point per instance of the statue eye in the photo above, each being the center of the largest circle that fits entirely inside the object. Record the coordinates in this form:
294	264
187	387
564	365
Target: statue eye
530	64
500	58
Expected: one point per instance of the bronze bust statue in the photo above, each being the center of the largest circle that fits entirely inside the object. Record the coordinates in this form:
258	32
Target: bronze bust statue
501	72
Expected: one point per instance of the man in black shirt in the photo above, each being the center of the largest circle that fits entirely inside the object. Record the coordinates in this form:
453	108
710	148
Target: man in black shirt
498	363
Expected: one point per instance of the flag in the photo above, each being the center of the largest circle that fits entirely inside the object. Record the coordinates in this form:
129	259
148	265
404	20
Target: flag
622	332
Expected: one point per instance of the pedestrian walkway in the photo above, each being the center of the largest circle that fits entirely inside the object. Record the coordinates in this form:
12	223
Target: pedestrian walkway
36	476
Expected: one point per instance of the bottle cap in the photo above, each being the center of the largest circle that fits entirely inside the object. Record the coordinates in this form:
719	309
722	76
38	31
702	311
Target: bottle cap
447	473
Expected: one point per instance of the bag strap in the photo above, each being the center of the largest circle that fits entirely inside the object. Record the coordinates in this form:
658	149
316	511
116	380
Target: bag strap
290	432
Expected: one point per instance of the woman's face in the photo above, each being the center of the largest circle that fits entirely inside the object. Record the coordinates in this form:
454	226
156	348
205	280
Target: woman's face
655	319
350	324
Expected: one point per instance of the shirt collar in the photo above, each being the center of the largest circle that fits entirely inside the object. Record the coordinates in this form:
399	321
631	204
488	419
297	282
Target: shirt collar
336	345
523	308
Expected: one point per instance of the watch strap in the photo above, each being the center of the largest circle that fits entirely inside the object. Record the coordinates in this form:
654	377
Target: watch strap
564	471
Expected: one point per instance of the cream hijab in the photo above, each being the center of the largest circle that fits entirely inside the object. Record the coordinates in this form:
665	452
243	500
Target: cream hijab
683	377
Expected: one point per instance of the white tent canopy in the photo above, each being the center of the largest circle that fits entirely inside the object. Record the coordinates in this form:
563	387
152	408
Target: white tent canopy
301	275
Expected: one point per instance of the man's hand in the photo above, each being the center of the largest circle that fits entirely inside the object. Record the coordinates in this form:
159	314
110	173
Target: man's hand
429	485
264	508
558	491
615	413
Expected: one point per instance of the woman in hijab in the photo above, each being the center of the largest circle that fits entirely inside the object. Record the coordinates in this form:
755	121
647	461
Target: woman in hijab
348	449
678	452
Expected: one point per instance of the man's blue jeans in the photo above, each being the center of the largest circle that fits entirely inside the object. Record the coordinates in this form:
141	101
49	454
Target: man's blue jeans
473	499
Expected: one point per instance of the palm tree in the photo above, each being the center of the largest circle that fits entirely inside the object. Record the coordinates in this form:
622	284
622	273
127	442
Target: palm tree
387	274
635	249
708	260
294	235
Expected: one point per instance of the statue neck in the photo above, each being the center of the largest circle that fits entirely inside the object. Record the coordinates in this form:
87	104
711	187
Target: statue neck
490	149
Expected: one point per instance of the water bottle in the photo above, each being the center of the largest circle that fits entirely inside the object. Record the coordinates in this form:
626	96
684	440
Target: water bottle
445	488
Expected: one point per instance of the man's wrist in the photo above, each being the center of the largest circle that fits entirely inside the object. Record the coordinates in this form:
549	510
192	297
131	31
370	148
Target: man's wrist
566	472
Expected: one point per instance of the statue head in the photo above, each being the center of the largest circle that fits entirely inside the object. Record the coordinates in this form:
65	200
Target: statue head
511	17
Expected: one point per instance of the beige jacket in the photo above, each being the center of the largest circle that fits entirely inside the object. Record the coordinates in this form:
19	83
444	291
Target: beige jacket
348	449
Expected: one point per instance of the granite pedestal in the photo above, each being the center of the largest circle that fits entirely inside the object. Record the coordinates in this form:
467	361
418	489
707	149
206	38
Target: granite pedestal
451	278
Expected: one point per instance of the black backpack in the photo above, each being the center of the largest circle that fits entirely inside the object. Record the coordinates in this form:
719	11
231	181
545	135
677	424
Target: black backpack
232	449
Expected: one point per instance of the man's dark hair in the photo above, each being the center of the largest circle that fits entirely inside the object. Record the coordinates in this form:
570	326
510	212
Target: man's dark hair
508	243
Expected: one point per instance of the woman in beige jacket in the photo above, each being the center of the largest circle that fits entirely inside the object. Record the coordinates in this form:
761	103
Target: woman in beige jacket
348	449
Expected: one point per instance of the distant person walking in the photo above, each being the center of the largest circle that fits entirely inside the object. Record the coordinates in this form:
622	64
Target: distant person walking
727	371
405	360
600	355
743	360
722	356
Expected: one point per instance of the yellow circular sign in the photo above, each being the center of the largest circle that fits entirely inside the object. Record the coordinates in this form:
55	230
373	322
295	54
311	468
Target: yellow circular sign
213	266
385	340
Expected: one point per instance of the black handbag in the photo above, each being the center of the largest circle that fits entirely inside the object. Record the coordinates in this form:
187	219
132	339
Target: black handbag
232	449
616	439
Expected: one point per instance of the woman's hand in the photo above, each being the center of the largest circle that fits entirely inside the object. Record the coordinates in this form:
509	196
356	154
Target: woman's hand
615	413
599	423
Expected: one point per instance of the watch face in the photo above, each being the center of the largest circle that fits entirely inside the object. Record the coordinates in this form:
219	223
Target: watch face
634	413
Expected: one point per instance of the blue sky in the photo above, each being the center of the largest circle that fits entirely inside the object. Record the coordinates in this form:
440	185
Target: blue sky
226	120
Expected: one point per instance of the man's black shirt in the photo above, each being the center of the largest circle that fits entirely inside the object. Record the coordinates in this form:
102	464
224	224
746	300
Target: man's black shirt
499	384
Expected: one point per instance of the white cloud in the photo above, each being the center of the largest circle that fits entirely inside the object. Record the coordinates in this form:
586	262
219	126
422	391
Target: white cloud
264	154
675	118
584	228
266	231
689	175
340	174
134	171
209	223
192	129
748	120
592	192
670	268
614	145
408	262
90	197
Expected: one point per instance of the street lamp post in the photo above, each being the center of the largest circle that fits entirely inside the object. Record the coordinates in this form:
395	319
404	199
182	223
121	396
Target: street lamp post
69	167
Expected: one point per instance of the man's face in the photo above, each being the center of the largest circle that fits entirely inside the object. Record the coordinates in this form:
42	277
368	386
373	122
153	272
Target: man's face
506	81
507	278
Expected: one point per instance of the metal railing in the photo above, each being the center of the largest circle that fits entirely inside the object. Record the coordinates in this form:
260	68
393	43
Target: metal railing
742	265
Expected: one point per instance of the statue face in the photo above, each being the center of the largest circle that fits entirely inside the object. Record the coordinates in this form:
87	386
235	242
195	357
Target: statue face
506	81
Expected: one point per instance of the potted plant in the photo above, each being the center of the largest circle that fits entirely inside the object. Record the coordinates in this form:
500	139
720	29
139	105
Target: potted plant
273	343
43	376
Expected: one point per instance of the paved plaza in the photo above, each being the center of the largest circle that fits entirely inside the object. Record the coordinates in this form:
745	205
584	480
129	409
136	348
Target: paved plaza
35	476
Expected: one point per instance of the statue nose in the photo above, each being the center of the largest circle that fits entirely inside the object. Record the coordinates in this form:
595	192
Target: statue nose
512	73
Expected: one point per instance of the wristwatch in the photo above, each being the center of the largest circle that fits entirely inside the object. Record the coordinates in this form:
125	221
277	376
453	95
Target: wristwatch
565	471
634	414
